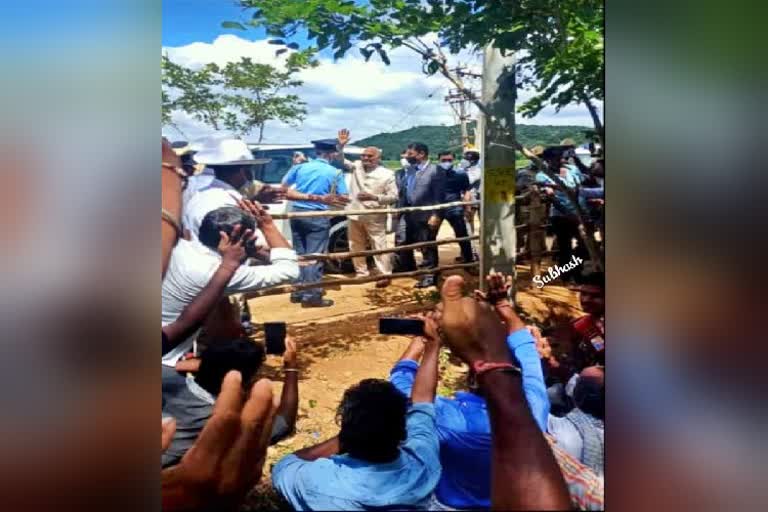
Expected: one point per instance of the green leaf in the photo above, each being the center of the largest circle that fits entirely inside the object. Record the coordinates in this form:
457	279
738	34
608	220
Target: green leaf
233	25
366	53
384	57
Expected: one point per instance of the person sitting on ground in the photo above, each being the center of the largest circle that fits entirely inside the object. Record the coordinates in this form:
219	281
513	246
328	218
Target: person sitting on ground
193	263
589	330
385	455
582	431
463	425
190	400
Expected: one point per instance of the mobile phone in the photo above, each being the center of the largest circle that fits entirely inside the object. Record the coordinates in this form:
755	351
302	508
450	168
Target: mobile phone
402	326
274	336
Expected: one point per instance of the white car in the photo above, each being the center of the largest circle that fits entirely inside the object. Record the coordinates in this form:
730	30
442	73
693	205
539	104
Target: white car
281	158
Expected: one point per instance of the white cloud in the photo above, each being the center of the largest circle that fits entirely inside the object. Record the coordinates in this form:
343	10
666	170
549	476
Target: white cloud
366	97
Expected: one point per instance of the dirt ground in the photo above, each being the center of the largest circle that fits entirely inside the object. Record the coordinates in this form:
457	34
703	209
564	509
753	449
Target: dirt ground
340	345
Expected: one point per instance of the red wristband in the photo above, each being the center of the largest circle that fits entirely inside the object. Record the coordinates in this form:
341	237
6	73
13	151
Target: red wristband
481	367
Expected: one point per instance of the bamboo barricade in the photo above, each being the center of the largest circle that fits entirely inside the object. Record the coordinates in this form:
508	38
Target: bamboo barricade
373	252
379	211
278	290
535	247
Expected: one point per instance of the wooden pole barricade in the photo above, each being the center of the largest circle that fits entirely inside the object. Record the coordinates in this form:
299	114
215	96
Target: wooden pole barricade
373	252
278	290
537	212
379	211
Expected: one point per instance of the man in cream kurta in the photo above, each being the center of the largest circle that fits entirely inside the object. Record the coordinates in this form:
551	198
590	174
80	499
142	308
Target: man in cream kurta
372	187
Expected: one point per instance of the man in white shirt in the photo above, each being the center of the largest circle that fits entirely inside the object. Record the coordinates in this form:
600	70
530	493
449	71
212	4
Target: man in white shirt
372	187
226	178
193	262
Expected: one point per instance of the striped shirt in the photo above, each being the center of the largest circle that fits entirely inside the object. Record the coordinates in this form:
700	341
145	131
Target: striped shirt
585	487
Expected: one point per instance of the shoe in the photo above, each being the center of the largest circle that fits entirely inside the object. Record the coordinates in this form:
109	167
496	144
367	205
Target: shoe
426	282
295	299
322	303
383	283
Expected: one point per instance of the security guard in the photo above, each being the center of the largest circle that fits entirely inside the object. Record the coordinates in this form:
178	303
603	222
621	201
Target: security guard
314	186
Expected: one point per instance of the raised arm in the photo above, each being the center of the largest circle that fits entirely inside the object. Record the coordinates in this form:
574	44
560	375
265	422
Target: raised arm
522	345
266	224
525	473
232	252
289	399
425	384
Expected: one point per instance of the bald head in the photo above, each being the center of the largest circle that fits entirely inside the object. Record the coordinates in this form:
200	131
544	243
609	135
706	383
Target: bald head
597	373
371	158
589	393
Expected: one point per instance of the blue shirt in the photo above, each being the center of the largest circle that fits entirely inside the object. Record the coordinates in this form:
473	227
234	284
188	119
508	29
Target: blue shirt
410	178
342	482
572	179
315	177
464	429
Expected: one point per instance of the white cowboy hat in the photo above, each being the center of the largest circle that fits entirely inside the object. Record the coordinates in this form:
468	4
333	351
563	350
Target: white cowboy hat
224	150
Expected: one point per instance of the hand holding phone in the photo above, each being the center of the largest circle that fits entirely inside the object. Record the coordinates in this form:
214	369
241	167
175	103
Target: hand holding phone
274	337
401	326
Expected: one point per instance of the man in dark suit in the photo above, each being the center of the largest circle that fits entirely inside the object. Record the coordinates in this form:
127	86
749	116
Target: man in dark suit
421	183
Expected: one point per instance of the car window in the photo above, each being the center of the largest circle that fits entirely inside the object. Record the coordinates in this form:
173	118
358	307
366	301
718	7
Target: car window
282	160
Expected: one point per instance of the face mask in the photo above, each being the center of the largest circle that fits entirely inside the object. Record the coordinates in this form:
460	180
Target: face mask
446	165
412	160
404	162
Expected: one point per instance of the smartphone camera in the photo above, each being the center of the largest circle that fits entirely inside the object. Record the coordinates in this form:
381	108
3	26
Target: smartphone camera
274	337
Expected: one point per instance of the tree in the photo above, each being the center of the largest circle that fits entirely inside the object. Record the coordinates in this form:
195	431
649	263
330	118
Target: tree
241	96
560	42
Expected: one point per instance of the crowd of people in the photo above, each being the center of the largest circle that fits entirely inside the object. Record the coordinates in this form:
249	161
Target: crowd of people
585	183
526	433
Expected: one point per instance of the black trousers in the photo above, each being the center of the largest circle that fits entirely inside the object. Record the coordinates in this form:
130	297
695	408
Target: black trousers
455	217
565	230
413	228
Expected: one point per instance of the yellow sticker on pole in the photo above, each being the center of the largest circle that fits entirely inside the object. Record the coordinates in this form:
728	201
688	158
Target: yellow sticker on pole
499	184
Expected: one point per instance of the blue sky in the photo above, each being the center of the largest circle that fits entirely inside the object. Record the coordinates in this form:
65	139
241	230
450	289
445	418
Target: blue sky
367	98
190	21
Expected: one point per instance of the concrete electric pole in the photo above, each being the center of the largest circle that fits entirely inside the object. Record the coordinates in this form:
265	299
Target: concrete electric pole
497	213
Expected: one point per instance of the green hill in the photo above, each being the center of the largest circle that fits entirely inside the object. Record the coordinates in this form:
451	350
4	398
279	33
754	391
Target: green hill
442	138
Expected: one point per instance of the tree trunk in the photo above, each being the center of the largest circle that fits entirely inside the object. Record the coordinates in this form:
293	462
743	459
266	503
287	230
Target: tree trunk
261	133
599	129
